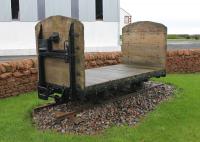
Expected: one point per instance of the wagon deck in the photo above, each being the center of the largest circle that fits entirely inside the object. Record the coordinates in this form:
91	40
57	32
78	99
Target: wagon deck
103	76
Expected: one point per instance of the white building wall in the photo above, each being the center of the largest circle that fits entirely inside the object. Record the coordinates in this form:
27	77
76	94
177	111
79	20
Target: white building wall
17	38
28	10
101	36
20	38
111	10
87	10
58	7
5	10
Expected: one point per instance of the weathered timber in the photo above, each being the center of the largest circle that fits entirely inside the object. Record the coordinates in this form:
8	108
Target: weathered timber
144	44
121	75
57	70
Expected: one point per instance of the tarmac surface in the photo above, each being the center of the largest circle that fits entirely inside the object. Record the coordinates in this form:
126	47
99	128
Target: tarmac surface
183	44
12	58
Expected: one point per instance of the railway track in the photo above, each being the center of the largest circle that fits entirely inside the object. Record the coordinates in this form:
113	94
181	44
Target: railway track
71	115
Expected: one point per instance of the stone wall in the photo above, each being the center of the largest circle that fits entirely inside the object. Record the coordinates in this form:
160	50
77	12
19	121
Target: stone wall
183	61
17	77
180	61
94	60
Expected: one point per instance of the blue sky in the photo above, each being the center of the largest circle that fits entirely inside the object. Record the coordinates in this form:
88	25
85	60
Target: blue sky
180	16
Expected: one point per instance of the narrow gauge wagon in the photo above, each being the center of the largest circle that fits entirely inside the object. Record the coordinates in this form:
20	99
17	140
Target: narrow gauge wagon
62	74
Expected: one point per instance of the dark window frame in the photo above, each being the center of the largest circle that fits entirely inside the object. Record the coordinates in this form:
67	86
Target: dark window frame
99	10
15	9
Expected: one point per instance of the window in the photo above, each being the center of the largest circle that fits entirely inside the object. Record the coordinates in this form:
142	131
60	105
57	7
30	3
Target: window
15	9
99	9
127	19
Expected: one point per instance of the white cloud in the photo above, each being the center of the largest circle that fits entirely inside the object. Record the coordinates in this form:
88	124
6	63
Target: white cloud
180	16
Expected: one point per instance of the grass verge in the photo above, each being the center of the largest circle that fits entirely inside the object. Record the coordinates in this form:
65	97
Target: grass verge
176	120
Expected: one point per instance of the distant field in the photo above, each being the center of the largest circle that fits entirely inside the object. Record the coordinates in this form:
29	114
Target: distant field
183	36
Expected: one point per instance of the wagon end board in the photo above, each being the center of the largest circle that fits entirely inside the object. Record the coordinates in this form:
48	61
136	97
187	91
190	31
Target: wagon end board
57	71
145	44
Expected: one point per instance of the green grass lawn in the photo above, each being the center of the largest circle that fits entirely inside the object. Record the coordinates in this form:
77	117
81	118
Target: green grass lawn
177	120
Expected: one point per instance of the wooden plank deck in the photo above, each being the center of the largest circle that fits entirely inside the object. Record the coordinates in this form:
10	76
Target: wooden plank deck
107	74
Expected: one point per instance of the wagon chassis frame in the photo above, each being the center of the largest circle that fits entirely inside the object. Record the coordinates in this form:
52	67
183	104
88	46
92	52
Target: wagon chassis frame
60	46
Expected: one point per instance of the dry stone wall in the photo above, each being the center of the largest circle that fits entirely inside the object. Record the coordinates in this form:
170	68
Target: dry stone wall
178	61
18	77
99	59
183	61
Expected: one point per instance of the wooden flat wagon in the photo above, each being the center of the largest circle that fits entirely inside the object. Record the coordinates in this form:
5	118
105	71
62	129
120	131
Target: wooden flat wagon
62	73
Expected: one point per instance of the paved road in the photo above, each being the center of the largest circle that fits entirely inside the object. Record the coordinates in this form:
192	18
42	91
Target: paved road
183	44
12	58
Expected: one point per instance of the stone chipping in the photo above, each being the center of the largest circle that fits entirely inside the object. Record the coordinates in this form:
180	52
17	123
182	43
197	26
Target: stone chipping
95	119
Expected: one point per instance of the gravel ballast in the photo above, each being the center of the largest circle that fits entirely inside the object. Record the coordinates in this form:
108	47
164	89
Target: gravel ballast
92	120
